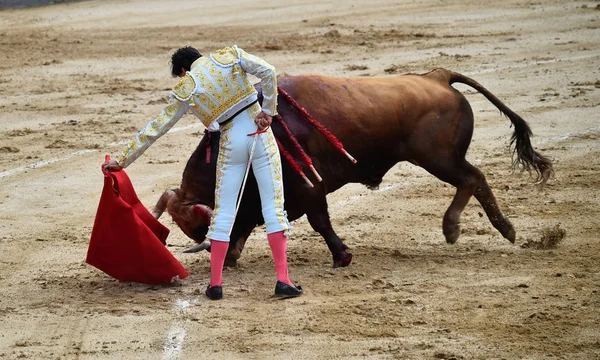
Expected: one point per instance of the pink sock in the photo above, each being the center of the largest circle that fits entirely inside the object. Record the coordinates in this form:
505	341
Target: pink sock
278	244
218	250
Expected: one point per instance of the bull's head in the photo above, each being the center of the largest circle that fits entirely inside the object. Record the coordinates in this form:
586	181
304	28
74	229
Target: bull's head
192	219
189	206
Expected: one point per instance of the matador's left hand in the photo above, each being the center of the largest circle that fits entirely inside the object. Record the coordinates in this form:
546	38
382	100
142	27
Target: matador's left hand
263	121
111	165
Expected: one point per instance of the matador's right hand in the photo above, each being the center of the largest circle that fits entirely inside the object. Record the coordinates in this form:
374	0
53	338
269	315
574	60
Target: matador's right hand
263	121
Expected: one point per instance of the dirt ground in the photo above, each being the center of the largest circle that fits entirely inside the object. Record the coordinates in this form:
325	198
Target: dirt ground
78	79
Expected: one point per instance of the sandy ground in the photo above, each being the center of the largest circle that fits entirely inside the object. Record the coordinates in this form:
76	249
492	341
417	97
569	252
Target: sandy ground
78	79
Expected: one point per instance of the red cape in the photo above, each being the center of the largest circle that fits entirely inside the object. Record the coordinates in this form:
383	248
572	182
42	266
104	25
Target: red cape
127	242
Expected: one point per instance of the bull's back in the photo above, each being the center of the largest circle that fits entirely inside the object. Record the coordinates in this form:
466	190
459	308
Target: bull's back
374	109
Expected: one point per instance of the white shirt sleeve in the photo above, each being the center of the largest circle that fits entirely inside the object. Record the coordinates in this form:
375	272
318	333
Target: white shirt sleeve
268	79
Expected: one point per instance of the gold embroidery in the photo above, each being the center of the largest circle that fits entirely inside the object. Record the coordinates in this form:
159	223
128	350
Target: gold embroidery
184	88
254	110
213	86
210	102
274	162
226	56
221	161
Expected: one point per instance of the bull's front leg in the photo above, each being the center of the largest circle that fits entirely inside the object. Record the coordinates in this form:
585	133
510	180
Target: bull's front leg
161	205
318	217
236	245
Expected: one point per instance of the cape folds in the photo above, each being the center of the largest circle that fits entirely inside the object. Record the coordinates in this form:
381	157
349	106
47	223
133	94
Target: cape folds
127	242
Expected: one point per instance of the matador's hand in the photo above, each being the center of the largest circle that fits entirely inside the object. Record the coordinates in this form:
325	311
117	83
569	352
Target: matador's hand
263	121
111	165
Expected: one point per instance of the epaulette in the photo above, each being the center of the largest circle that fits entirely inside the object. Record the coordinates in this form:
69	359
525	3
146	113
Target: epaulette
226	57
184	88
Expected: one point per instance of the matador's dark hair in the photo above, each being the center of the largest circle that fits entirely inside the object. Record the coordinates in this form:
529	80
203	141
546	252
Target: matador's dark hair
183	58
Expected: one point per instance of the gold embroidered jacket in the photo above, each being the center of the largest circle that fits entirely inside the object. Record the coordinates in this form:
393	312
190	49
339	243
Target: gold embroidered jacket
214	89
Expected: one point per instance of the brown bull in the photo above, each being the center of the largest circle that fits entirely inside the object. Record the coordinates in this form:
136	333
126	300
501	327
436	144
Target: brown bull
380	121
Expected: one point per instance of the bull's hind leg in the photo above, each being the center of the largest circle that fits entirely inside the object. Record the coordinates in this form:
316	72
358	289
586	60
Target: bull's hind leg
466	178
468	181
486	198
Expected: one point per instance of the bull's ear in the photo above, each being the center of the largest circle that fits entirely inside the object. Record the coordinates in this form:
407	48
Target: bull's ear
203	211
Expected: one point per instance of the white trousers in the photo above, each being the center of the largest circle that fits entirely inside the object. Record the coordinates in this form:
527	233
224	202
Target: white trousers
234	154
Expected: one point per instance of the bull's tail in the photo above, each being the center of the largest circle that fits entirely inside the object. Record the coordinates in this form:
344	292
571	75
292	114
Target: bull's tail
524	155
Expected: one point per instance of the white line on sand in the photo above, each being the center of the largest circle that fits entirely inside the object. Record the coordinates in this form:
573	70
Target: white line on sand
574	134
531	63
176	336
182	128
42	163
174	342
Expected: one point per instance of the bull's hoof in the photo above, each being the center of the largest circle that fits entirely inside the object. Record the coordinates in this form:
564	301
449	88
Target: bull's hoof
451	233
230	262
343	260
510	235
507	230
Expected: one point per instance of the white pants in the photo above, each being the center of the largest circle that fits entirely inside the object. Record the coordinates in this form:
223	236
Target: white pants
234	153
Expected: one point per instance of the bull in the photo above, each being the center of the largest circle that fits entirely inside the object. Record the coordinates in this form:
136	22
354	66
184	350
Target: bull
421	119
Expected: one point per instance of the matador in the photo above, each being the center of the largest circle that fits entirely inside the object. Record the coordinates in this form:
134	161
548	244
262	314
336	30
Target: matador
218	91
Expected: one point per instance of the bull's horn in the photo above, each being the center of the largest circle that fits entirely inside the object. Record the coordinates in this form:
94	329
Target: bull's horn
198	247
204	211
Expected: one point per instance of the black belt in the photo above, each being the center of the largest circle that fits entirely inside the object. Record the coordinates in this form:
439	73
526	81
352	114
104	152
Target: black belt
237	113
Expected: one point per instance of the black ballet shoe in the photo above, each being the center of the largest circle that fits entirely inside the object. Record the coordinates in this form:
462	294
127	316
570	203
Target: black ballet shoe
287	291
214	292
